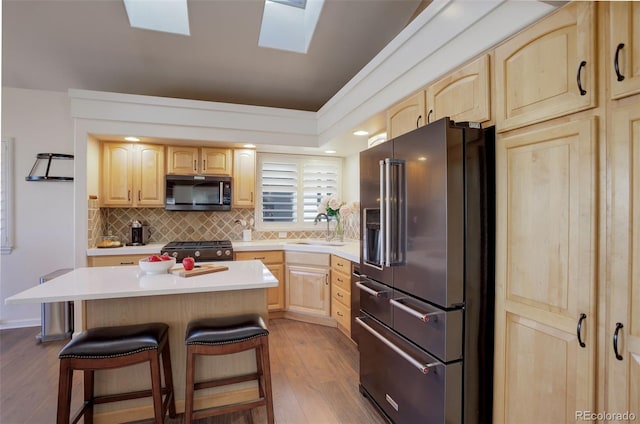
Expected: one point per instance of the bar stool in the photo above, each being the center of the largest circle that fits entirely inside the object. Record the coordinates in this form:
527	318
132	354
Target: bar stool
114	347
223	336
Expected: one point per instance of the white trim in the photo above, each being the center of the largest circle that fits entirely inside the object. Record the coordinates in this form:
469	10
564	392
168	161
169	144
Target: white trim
20	323
7	201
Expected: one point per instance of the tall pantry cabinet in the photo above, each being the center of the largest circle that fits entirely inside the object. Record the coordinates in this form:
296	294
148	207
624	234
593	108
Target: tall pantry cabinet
568	224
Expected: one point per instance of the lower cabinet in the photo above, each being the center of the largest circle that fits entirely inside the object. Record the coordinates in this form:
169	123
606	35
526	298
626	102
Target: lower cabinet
273	259
307	289
114	260
341	293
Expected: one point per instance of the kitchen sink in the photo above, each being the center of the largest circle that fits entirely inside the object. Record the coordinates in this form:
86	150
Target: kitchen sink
319	243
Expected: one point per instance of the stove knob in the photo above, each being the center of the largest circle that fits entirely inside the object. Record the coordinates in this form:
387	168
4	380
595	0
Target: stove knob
197	253
174	254
219	253
227	252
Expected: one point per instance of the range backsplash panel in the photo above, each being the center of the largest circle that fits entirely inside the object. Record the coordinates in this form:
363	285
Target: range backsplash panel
166	226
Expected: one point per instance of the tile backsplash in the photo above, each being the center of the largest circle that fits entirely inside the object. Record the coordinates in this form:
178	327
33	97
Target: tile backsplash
166	226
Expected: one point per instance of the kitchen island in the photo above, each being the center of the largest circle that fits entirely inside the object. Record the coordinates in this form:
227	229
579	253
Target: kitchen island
125	295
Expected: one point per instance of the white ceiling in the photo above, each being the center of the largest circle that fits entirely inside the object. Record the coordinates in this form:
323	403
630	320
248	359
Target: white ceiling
62	44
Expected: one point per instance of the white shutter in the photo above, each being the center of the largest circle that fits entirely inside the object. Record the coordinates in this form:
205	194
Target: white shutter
291	188
279	191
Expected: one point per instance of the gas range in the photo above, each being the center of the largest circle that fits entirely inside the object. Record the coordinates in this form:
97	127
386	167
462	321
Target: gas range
201	251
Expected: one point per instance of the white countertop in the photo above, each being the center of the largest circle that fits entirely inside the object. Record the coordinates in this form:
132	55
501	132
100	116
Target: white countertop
130	281
350	250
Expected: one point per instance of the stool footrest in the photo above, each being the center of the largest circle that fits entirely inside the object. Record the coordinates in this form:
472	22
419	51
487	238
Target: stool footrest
224	381
125	396
226	409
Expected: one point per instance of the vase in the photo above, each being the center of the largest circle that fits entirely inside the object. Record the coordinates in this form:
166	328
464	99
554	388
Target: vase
339	236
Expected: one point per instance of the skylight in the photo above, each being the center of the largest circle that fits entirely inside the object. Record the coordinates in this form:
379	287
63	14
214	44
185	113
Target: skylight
289	28
159	15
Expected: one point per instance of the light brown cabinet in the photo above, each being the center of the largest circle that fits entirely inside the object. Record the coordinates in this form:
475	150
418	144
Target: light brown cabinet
244	178
307	288
341	293
187	160
406	116
624	48
115	260
132	175
546	273
622	315
547	70
463	95
274	260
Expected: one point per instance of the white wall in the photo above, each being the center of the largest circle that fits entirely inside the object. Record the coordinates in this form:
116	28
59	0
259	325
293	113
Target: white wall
351	178
39	122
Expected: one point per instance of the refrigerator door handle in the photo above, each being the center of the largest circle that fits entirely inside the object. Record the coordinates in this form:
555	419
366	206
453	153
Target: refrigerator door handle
383	212
372	292
424	368
430	316
387	212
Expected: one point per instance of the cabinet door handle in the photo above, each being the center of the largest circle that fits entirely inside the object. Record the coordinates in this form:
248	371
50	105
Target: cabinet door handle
128	195
579	77
429	116
418	121
251	197
615	341
195	165
139	195
204	164
579	330
615	62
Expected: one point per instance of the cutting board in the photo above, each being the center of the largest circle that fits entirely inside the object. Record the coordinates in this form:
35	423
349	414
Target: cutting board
202	269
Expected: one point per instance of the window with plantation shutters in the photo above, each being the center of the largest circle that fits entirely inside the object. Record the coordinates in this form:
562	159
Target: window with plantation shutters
290	189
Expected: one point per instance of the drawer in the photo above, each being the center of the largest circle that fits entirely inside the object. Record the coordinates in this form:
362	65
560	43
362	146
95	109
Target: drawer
342	314
115	260
341	296
340	280
266	256
304	258
341	264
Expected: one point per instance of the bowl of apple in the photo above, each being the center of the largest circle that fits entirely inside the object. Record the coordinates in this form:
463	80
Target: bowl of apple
157	264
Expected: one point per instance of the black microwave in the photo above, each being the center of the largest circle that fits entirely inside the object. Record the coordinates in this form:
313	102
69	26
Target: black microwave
197	193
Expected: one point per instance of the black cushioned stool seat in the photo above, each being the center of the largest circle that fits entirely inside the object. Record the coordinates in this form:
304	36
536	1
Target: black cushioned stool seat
115	347
224	336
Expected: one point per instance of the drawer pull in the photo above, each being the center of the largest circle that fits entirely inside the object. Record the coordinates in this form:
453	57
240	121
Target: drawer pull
424	368
126	263
260	257
616	66
579	330
422	317
339	279
339	294
339	313
615	341
372	292
579	78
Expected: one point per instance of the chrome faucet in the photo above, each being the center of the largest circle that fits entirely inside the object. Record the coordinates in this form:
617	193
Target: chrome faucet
318	218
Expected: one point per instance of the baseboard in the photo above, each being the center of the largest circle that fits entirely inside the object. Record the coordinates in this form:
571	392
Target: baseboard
20	323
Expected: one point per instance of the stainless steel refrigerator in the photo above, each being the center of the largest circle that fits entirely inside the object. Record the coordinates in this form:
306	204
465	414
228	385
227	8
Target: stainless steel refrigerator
427	264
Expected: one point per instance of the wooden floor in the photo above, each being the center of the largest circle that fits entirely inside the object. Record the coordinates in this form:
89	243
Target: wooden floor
314	377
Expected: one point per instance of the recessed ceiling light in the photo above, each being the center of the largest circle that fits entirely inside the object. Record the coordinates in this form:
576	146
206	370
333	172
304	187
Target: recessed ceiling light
132	138
361	132
250	146
330	151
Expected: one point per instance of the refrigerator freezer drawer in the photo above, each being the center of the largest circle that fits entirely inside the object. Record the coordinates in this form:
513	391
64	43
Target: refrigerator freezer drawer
392	374
435	330
374	299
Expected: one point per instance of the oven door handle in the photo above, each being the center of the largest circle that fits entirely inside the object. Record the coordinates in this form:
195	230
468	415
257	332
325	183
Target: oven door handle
424	368
372	292
421	316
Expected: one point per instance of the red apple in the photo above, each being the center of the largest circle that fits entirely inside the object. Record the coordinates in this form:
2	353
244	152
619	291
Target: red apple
188	263
154	258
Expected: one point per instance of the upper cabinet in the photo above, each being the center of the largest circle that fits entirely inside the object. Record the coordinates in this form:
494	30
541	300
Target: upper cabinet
547	70
132	175
244	178
406	116
186	160
462	95
624	48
